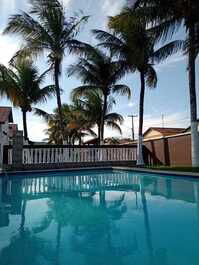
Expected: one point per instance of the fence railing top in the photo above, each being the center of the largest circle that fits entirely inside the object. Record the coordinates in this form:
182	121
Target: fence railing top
77	146
72	146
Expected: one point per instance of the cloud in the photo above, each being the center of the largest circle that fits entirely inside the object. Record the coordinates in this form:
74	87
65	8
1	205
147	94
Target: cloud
8	47
112	7
36	130
131	104
178	120
66	2
7	6
36	127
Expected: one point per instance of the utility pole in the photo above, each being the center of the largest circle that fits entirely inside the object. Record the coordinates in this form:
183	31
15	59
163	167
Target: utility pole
133	131
162	120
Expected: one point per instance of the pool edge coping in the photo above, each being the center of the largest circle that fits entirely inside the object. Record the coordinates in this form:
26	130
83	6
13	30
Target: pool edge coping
135	169
52	170
159	172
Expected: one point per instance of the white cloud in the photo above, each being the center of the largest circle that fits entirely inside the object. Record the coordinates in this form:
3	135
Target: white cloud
7	6
36	126
8	47
180	120
36	130
112	7
131	104
66	2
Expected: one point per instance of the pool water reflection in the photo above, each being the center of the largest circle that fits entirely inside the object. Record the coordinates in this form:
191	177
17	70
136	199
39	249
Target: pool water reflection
90	218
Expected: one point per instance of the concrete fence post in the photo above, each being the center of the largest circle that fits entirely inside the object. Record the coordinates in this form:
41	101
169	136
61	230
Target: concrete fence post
17	153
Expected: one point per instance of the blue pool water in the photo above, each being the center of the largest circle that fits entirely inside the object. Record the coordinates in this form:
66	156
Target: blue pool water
99	218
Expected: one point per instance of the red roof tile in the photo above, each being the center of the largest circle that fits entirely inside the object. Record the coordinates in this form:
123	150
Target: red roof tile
6	114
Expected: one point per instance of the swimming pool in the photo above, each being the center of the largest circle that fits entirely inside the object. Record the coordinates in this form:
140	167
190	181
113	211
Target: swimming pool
99	218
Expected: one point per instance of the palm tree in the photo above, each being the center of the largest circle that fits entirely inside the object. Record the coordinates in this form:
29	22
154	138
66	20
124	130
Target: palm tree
21	83
134	45
167	16
75	123
47	29
91	103
80	118
98	70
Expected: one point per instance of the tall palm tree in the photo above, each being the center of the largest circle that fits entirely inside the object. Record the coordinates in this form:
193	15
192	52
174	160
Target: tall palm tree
167	16
21	83
46	28
98	70
135	47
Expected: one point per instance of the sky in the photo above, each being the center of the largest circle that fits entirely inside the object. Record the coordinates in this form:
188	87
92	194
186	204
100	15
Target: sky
166	105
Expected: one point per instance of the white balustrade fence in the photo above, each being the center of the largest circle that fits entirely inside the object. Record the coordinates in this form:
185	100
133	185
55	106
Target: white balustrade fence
52	155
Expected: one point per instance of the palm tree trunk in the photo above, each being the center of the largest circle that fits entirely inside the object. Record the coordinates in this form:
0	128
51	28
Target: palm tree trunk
25	125
147	224
193	100
23	215
140	160
59	104
103	118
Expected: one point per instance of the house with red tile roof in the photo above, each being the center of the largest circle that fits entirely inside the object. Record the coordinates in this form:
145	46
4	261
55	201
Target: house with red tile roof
158	132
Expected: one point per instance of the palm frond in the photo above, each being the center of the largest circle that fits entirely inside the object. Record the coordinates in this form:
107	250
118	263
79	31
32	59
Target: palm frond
122	90
168	50
113	126
151	77
84	70
106	37
82	91
30	29
45	93
41	113
165	30
115	117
